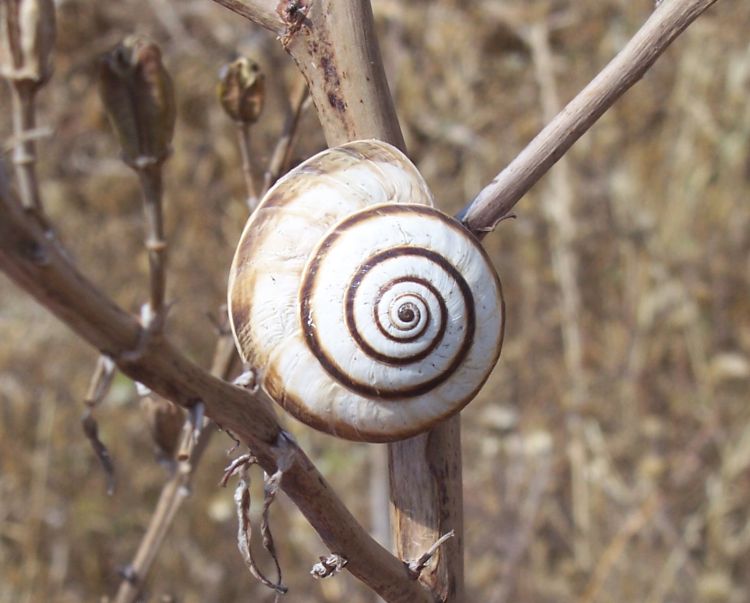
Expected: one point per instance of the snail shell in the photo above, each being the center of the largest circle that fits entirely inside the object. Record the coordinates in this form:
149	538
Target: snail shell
365	312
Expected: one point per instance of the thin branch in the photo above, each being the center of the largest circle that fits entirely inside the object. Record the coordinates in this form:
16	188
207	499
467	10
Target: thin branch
150	179
243	140
262	12
23	94
493	202
99	386
280	157
189	453
417	565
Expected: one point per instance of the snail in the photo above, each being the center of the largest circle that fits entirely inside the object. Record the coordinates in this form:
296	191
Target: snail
364	311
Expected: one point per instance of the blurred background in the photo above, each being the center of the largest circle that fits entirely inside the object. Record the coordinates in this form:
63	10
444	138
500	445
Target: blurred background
608	457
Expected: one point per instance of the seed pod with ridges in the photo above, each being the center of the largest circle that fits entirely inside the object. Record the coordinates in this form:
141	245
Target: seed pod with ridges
27	37
242	90
138	96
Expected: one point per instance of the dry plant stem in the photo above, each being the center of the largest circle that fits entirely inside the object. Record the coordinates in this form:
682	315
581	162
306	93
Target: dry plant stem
23	95
174	492
336	49
243	139
150	178
494	201
99	386
262	12
281	154
172	495
36	263
427	502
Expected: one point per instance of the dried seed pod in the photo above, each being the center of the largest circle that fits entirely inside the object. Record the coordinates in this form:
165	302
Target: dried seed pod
242	90
364	311
138	96
27	37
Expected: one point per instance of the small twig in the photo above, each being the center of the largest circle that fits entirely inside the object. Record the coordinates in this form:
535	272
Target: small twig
279	161
416	566
328	566
558	203
150	178
23	94
37	133
100	383
175	490
243	136
259	11
152	327
270	489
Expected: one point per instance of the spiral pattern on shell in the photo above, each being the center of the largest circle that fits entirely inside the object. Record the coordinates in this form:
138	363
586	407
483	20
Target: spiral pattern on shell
366	312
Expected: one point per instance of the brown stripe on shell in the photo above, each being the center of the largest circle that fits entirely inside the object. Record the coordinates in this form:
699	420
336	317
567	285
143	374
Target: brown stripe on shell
274	386
240	315
307	320
384	289
351	323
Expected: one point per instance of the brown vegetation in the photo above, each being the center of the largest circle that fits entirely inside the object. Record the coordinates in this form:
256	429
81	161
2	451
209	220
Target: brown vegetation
608	459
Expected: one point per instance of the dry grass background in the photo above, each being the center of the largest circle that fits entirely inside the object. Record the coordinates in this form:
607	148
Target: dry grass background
620	473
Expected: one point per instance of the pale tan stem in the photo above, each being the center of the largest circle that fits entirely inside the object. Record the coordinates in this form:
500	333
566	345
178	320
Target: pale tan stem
36	263
173	494
175	490
495	200
23	95
243	139
281	154
170	500
99	386
427	502
150	178
262	12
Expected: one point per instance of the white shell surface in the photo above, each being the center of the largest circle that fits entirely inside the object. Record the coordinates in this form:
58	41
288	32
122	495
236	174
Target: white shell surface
363	317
